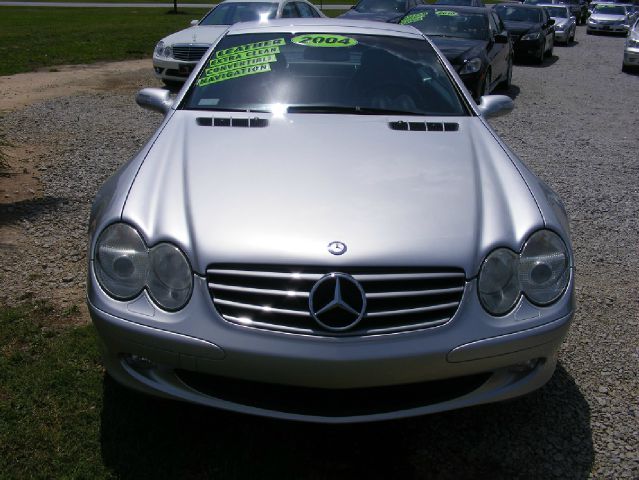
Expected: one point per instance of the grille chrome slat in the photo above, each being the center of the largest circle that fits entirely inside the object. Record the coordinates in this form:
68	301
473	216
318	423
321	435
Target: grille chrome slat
414	293
276	297
408	311
290	276
259	291
266	309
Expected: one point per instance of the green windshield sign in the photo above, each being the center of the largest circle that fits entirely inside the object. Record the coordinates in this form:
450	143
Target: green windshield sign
415	17
324	40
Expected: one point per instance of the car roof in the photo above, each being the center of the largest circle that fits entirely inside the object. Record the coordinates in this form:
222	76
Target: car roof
326	25
460	8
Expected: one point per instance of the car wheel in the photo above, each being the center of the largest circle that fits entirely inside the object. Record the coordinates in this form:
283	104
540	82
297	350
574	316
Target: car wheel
542	53
572	38
509	75
625	68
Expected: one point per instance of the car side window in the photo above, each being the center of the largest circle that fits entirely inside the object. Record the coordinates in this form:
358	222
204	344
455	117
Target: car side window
290	11
492	26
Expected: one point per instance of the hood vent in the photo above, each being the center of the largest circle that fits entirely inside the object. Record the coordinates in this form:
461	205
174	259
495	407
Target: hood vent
424	126
232	122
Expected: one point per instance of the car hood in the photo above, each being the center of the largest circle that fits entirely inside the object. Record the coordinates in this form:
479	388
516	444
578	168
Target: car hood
375	16
279	194
599	16
203	34
560	21
520	28
458	49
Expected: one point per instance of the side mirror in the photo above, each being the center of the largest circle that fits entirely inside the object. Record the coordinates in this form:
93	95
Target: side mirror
501	38
155	99
491	106
195	23
573	18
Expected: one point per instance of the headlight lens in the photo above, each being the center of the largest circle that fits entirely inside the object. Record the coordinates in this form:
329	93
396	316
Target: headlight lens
169	279
159	49
531	36
121	261
124	266
471	66
544	267
499	282
541	272
162	50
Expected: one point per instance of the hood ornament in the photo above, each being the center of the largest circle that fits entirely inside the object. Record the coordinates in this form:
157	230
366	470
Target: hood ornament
337	248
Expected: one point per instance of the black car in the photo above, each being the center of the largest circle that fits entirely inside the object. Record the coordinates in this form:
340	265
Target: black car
530	28
380	10
473	40
461	3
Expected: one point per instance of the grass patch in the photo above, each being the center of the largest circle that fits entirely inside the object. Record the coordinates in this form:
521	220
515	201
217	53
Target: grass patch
32	38
50	395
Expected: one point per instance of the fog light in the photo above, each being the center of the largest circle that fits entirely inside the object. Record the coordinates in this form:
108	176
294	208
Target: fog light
139	362
525	367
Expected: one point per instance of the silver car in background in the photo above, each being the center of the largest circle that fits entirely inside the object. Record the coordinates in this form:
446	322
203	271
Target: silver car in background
325	228
608	18
565	23
175	56
631	49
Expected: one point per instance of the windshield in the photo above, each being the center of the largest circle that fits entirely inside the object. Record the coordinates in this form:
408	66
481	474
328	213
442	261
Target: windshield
230	13
518	14
534	2
557	12
449	23
374	6
324	73
610	10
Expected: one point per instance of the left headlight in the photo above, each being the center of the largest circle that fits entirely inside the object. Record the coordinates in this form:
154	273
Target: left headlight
544	267
163	50
124	266
471	66
541	272
531	36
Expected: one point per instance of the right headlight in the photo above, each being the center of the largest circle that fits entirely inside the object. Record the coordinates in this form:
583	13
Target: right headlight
531	36
124	266
541	272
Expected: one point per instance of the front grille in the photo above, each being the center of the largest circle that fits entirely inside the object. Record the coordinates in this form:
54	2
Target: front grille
332	402
277	298
189	53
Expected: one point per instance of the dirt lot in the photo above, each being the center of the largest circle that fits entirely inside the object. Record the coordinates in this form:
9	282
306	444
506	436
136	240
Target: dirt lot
574	125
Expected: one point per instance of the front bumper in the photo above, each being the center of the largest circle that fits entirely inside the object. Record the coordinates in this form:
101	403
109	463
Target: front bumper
172	70
631	57
196	356
598	27
529	48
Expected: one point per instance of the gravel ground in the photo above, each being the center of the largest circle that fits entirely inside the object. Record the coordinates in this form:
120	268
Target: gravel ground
574	125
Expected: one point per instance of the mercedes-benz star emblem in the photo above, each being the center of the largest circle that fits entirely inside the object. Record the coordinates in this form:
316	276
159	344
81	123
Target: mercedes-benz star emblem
337	248
337	301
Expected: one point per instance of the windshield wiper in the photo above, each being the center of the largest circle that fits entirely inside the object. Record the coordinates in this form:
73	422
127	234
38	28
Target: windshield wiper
348	110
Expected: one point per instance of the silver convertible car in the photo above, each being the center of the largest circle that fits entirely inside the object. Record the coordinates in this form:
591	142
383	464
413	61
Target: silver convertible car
326	228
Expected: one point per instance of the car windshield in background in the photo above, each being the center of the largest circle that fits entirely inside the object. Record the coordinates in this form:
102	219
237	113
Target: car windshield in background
449	23
518	14
462	3
324	73
557	12
374	6
230	13
609	10
535	2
